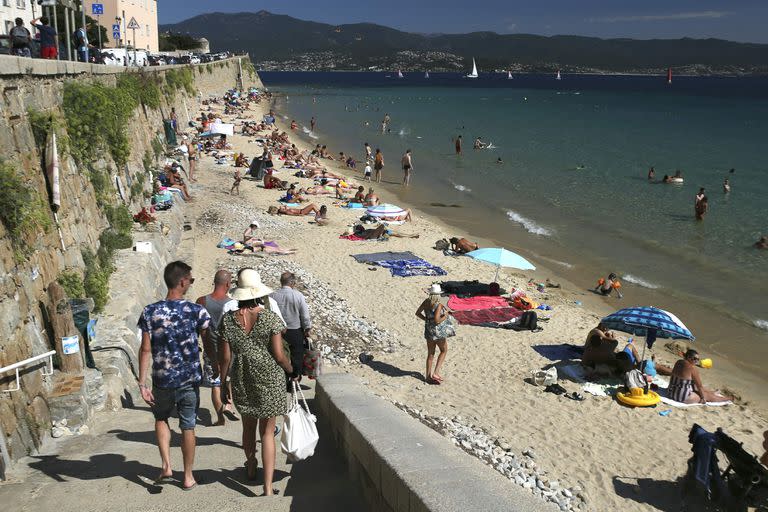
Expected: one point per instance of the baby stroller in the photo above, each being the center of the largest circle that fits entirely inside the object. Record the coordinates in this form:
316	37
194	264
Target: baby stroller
742	485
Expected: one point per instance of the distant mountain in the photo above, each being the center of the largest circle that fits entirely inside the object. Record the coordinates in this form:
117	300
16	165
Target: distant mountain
277	40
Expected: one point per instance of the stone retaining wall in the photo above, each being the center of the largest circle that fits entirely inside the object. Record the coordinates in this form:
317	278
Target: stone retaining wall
404	466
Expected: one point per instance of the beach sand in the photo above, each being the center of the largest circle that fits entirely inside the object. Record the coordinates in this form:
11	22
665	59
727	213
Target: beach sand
622	458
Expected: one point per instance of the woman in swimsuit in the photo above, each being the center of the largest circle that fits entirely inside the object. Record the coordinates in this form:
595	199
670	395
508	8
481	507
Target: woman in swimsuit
685	383
295	212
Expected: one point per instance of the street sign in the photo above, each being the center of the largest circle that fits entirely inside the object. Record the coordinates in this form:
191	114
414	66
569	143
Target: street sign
97	8
115	35
115	27
133	24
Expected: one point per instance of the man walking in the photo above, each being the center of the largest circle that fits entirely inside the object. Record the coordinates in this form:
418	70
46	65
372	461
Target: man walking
49	46
295	312
378	164
169	330
407	168
20	39
81	43
214	304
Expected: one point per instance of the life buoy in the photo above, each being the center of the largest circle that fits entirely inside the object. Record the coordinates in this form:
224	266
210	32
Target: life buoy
636	397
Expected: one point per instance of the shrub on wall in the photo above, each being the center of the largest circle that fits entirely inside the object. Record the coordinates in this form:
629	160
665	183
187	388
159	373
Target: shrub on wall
22	210
72	282
144	88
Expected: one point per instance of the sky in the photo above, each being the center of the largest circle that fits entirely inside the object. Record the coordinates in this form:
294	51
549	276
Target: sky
736	20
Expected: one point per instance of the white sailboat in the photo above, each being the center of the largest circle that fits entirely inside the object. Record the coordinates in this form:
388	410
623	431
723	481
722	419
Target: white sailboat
426	74
399	74
509	75
473	74
558	77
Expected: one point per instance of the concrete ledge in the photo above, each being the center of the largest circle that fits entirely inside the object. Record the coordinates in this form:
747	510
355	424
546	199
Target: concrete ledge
403	465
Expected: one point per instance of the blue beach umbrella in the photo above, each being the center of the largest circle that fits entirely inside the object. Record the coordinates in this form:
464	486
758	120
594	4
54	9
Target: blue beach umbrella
650	322
501	258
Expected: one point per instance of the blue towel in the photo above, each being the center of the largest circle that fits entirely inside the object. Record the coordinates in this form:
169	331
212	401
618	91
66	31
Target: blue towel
292	205
354	205
414	267
561	352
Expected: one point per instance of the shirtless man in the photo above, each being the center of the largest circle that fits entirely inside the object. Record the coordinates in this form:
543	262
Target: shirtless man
462	245
407	163
371	199
175	181
458	145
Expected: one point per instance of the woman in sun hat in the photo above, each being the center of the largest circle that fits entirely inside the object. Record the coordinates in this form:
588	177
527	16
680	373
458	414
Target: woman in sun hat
253	334
435	316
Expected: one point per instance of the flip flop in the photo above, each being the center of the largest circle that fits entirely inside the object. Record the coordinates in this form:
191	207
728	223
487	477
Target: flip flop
275	492
557	389
433	381
438	379
575	396
189	488
162	480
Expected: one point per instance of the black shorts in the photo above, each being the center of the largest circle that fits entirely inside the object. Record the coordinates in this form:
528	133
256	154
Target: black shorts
406	167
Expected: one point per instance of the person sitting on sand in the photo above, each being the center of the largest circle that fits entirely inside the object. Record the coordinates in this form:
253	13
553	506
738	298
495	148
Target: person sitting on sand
271	182
462	245
321	219
249	235
606	287
173	176
241	160
371	199
433	313
359	195
600	347
685	383
762	243
295	212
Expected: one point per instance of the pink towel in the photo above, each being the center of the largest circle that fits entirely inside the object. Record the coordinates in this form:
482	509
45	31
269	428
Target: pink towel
482	316
478	302
352	237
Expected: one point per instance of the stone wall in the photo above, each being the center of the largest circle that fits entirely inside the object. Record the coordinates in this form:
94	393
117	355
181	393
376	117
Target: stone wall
25	416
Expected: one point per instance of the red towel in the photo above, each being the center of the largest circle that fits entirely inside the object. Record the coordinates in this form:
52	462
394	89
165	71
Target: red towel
478	302
354	238
481	316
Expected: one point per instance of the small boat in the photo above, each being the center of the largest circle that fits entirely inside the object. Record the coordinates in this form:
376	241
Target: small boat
509	75
426	74
558	77
669	75
473	74
399	74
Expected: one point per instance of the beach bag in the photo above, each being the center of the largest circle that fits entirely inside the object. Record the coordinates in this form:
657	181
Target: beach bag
442	244
528	322
544	377
635	379
312	366
299	431
446	328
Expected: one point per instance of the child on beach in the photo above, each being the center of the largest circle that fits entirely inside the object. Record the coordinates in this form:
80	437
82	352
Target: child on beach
236	184
368	171
606	287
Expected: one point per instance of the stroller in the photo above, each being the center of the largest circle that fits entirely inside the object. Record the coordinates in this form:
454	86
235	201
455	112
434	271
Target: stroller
742	485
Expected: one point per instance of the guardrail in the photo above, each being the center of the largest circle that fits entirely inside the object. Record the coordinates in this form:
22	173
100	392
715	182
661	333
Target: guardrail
48	370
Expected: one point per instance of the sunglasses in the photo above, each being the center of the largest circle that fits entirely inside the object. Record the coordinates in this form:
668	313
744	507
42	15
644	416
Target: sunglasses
191	280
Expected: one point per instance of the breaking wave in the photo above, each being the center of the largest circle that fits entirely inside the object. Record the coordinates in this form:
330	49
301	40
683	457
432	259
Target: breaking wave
639	282
528	224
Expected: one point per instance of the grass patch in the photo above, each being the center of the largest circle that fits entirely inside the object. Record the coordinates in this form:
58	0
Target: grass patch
143	87
23	211
72	282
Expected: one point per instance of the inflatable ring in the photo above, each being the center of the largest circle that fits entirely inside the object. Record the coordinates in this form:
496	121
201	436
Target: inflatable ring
636	398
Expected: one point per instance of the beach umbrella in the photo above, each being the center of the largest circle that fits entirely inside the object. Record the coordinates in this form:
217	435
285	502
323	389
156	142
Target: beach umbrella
650	322
385	210
501	258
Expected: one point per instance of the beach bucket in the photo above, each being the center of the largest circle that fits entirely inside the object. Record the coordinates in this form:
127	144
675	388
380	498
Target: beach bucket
706	363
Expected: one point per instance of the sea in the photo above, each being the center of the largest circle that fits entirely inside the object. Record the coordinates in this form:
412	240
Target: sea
565	179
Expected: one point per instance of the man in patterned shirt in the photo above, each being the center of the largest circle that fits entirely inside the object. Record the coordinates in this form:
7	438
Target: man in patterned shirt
169	331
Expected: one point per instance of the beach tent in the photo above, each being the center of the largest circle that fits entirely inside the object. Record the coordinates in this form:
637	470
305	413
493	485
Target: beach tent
385	210
501	258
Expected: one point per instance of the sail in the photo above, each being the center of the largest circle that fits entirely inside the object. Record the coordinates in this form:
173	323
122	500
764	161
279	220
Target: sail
558	75
426	74
399	74
473	74
509	75
669	75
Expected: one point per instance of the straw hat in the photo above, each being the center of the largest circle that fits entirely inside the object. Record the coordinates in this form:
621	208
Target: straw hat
249	286
435	289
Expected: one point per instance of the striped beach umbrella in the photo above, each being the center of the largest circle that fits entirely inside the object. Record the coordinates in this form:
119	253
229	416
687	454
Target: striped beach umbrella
385	210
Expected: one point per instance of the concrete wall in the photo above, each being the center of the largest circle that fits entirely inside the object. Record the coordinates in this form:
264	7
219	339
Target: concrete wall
403	465
25	84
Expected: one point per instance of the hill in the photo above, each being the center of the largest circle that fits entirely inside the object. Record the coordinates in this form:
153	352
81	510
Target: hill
283	42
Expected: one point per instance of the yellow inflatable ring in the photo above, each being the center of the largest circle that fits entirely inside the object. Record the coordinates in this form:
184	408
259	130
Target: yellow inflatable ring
636	398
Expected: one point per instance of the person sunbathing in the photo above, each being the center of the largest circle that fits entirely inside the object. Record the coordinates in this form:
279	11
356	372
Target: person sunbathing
405	217
249	235
685	383
295	212
268	247
271	182
371	199
360	195
462	245
320	190
321	218
175	180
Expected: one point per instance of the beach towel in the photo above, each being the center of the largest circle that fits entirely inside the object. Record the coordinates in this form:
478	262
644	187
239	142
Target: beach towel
477	302
466	288
353	205
486	317
354	238
226	243
410	268
382	256
663	384
563	351
291	205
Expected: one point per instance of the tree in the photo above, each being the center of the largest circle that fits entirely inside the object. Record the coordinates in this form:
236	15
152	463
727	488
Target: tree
93	26
170	42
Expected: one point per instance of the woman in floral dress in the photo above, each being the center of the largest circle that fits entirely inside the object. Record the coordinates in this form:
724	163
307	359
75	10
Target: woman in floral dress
252	334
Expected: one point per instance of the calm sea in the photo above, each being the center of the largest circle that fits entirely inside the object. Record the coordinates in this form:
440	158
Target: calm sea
571	190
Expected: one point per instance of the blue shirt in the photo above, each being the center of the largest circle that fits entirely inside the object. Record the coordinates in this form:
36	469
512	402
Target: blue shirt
173	326
47	36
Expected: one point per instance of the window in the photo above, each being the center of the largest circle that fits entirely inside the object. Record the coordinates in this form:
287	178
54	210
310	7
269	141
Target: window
147	30
20	4
6	3
8	26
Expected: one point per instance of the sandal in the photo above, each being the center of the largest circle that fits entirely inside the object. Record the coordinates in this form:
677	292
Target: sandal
432	380
438	378
575	396
557	389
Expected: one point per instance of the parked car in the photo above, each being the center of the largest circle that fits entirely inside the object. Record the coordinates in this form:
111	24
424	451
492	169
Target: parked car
206	57
157	60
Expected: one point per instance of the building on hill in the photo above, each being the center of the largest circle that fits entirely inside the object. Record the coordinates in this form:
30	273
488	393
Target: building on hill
120	12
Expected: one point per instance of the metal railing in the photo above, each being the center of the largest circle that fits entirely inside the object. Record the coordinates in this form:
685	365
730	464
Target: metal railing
48	370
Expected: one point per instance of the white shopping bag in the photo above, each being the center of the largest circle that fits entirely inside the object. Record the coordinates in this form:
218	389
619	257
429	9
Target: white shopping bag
299	431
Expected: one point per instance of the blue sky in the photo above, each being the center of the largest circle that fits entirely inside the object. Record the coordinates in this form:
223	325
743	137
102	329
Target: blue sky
738	20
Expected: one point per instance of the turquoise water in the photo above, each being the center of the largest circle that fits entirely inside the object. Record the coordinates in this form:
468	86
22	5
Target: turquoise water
603	217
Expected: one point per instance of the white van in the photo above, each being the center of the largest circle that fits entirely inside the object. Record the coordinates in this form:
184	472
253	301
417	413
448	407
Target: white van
118	56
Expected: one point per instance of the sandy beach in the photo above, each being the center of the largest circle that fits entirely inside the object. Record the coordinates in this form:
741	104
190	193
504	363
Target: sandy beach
620	458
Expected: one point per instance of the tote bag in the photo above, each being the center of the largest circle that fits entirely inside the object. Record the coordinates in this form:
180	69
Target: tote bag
299	431
312	366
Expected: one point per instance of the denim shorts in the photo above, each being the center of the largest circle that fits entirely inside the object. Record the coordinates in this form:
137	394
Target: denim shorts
185	399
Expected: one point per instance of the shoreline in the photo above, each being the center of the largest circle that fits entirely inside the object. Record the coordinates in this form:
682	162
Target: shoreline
486	369
729	373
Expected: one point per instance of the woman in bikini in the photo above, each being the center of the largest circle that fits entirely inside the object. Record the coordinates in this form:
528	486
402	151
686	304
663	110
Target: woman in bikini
685	383
295	212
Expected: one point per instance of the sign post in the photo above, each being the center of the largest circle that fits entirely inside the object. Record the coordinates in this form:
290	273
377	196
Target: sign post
116	34
98	10
133	25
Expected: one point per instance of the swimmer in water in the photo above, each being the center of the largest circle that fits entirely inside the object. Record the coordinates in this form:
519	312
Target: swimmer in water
726	186
651	174
499	161
762	243
479	144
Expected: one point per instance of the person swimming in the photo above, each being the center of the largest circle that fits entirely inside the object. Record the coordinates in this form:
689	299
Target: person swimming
762	243
651	174
726	186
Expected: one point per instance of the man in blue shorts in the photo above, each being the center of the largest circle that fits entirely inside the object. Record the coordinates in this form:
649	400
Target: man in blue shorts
169	331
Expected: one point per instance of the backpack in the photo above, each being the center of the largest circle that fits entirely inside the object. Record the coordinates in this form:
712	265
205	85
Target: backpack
20	36
528	322
442	244
635	379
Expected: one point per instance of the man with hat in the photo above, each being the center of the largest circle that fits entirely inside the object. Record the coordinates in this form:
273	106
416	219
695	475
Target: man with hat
169	331
294	307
